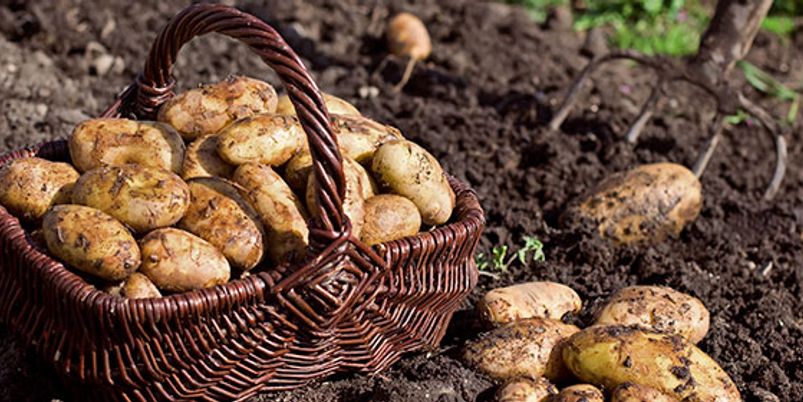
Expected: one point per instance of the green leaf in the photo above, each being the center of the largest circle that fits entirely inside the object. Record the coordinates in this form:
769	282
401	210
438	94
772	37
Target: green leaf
781	25
765	82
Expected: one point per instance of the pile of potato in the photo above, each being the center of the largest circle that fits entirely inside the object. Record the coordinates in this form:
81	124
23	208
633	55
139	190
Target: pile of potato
641	347
219	185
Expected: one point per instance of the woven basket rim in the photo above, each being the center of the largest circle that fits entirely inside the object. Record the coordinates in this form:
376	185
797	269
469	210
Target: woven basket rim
256	284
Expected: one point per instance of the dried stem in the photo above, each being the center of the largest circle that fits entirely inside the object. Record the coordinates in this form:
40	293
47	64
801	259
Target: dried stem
408	71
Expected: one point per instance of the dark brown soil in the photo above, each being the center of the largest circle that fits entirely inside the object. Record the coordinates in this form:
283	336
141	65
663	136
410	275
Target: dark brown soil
479	104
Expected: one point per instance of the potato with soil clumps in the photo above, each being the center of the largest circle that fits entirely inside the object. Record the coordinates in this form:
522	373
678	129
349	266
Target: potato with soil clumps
529	347
358	137
202	160
297	171
219	214
525	389
528	300
210	108
406	169
179	261
389	217
140	197
335	106
629	392
30	186
657	308
609	356
579	393
359	187
115	142
281	212
268	139
91	241
647	203
138	286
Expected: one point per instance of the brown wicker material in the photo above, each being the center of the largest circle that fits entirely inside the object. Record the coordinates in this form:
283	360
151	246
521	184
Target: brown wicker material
348	308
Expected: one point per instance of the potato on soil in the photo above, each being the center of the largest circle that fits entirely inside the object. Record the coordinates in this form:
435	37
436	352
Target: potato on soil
202	160
138	286
657	308
647	203
579	393
629	392
407	36
179	261
102	142
140	197
358	188
609	356
208	109
335	106
358	137
219	214
281	212
406	169
525	389
30	186
529	347
528	300
91	241
389	217
269	139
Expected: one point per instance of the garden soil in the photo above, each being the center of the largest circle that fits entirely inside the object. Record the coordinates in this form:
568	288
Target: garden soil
480	104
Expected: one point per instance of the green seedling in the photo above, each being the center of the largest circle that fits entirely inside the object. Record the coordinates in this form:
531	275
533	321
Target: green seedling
500	261
766	83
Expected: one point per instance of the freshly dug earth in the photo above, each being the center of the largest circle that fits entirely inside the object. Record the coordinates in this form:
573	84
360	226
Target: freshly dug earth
479	104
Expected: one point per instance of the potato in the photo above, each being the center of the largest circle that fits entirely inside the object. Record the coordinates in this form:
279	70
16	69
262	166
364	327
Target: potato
612	355
529	347
30	186
179	261
91	241
407	36
528	300
406	169
629	392
358	137
281	212
142	198
657	308
268	139
202	160
358	189
579	393
525	389
138	286
208	109
220	215
389	217
297	170
647	203
334	105
101	142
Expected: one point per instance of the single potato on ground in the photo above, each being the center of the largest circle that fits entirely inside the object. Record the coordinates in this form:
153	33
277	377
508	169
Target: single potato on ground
528	300
179	261
30	186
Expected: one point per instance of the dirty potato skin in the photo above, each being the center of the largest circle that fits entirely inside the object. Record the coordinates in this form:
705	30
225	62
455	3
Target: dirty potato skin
30	186
208	109
138	286
389	217
406	169
281	212
358	137
91	241
358	189
579	393
525	389
612	355
645	204
657	308
220	215
529	347
269	139
140	197
629	392
334	105
527	300
108	141
202	160
179	261
297	171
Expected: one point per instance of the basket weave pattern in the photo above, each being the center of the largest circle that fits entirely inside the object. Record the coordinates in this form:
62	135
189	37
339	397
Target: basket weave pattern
347	308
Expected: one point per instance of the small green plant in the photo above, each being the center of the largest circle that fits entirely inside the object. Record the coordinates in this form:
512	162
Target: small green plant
538	9
499	260
766	83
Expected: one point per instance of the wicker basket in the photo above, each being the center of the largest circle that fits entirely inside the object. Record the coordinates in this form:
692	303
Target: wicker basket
348	308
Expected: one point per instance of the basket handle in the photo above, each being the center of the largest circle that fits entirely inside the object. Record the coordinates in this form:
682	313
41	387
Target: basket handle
154	86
